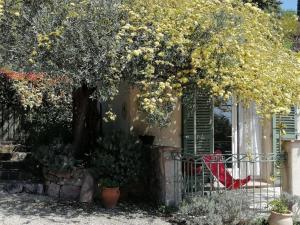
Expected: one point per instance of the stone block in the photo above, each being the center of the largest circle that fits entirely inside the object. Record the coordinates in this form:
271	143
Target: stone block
30	188
53	190
72	181
87	189
34	188
18	156
69	192
40	189
14	188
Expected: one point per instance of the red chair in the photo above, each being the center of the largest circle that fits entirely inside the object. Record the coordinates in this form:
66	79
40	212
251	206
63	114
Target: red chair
191	168
216	166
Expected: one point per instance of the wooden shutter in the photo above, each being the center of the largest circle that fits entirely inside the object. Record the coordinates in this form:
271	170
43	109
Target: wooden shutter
289	125
197	123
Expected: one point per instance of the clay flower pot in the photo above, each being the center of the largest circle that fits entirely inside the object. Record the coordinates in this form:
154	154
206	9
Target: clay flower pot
280	219
110	197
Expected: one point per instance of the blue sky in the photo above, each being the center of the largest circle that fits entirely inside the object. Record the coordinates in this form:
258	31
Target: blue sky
289	4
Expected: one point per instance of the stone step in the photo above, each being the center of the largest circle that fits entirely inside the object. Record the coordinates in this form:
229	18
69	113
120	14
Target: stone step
11	165
10	174
18	186
9	148
5	156
15	174
7	142
13	156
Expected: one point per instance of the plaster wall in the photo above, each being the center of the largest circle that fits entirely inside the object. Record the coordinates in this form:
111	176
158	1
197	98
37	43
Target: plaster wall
129	119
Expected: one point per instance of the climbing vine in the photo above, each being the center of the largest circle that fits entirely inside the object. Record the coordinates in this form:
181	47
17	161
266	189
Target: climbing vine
226	47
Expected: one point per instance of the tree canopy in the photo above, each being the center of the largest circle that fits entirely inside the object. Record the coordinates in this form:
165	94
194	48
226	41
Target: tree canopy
73	38
230	48
268	5
160	47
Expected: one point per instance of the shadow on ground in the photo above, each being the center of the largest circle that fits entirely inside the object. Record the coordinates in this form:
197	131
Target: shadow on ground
26	206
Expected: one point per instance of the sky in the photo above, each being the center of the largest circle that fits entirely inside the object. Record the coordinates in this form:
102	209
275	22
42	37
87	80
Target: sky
289	4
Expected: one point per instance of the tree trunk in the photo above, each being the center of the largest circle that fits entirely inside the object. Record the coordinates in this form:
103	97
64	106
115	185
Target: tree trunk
86	119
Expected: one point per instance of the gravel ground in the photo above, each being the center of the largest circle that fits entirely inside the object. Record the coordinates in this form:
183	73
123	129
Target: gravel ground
28	209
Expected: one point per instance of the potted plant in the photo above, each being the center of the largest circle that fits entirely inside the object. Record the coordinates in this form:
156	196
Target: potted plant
282	210
280	214
110	192
117	162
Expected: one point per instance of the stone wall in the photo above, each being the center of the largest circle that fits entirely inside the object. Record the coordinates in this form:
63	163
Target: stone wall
76	185
165	171
290	170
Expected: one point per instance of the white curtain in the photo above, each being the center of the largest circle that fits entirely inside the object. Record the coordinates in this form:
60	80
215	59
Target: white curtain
249	136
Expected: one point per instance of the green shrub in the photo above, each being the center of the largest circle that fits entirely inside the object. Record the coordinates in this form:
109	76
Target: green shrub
107	182
259	221
227	208
279	206
285	204
56	156
119	158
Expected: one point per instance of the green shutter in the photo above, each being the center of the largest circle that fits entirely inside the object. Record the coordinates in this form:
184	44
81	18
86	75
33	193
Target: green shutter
289	124
197	123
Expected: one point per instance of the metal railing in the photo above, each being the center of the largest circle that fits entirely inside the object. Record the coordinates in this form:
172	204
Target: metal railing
256	175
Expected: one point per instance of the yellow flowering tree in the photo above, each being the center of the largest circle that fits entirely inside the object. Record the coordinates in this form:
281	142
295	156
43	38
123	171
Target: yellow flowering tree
1	7
226	47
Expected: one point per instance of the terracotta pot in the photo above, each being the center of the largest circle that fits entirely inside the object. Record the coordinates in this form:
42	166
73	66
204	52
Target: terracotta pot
280	219
110	197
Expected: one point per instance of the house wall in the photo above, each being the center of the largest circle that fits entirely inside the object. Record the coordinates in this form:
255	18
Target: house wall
167	136
298	123
119	106
267	147
129	119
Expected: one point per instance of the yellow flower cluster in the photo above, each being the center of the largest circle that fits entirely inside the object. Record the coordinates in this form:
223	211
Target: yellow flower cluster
30	96
1	7
233	49
109	116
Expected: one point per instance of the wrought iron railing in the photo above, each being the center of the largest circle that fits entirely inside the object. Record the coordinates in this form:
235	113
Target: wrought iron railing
257	175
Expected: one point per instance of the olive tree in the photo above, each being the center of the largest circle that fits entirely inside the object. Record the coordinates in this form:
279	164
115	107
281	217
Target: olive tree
74	39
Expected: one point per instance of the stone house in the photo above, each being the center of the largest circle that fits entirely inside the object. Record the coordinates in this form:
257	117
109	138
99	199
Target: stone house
230	127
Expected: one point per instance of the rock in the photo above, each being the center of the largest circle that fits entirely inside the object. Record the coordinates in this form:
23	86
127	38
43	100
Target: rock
40	189
87	189
53	190
34	188
78	173
72	181
14	188
18	156
30	188
69	192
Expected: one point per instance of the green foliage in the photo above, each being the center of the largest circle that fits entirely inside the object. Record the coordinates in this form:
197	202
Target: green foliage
291	29
226	47
267	5
160	47
108	182
56	156
259	221
228	208
7	92
74	39
47	122
279	206
118	158
46	112
285	204
167	210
